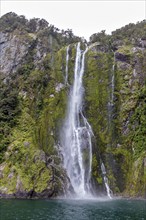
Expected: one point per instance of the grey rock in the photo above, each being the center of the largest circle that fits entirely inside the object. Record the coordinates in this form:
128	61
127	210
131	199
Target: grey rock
10	176
144	162
19	186
58	87
12	50
40	157
122	57
2	167
52	96
26	144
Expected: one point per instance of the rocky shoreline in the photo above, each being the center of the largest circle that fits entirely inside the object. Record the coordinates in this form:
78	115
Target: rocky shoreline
50	195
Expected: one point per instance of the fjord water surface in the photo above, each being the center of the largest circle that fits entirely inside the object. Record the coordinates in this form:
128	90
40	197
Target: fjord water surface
98	209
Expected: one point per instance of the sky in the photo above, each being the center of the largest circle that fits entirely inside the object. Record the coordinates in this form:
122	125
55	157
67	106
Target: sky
83	17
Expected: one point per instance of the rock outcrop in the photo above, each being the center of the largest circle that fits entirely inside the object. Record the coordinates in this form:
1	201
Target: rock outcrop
33	97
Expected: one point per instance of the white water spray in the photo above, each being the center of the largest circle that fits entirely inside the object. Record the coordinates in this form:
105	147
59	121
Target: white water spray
113	86
108	190
113	83
77	133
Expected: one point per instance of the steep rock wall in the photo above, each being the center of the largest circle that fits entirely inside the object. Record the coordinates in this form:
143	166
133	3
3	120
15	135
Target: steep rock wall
33	106
115	107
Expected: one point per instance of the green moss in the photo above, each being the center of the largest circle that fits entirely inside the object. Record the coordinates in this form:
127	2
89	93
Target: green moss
31	136
125	49
95	166
121	128
99	180
96	81
136	180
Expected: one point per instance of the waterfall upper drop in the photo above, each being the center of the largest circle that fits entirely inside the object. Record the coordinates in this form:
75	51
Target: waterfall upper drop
77	133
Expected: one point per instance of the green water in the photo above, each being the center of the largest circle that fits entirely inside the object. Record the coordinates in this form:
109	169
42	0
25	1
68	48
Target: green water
72	209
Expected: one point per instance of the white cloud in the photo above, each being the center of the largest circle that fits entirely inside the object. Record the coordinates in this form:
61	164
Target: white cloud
83	17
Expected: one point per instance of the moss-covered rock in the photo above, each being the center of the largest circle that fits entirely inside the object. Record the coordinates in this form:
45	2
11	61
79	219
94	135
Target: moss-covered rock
31	113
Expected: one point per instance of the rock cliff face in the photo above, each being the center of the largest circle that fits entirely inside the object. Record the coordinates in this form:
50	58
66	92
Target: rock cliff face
118	104
33	104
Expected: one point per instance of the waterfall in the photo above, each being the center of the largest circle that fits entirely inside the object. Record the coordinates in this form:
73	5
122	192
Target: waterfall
113	85
110	129
77	133
108	190
113	82
66	69
110	91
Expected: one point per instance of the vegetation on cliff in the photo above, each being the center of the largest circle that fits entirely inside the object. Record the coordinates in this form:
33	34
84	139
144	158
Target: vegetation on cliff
33	99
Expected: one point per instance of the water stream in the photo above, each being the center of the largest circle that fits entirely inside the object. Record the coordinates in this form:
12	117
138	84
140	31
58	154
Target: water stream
113	82
77	133
108	190
76	141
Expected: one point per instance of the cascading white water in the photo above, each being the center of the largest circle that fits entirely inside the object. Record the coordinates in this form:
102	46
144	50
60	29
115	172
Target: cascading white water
112	88
113	85
77	133
113	82
110	110
108	190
